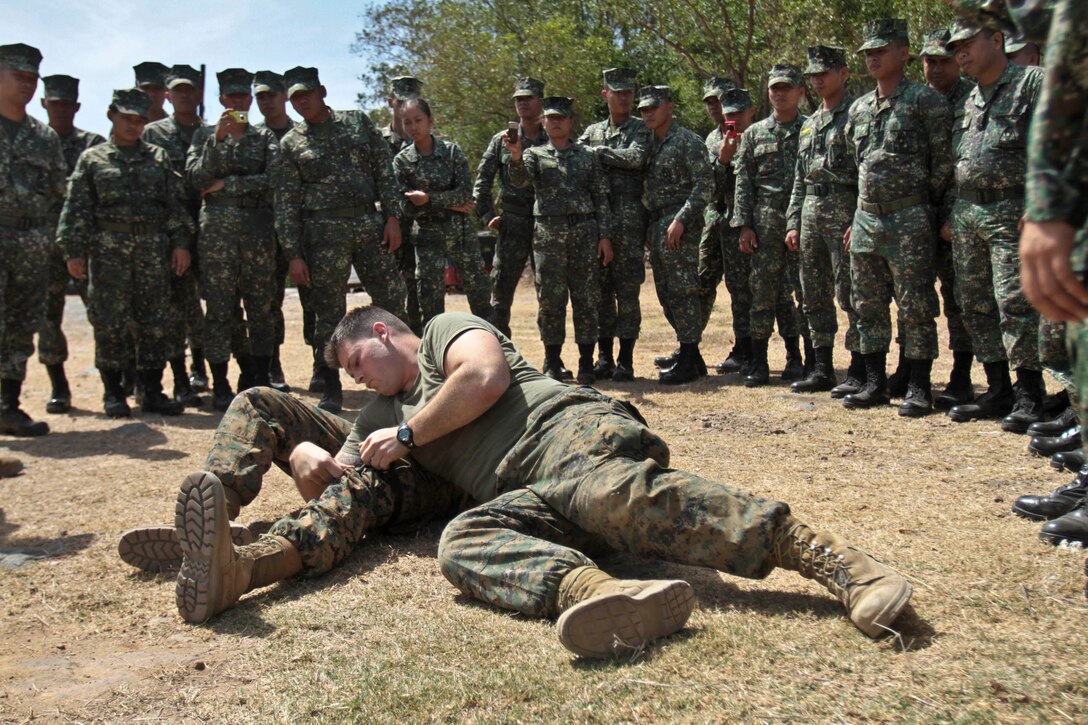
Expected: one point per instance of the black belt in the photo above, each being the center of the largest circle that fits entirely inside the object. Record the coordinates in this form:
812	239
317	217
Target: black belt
571	219
134	228
827	189
22	223
340	212
239	202
658	214
889	207
988	196
516	209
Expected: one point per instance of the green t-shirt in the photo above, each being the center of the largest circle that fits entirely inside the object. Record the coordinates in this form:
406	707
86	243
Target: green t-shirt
469	455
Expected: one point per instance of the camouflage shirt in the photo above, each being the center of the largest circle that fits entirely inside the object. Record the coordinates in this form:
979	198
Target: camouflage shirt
176	138
32	170
679	176
125	187
496	160
443	174
822	157
246	165
565	181
725	178
765	163
902	144
279	133
623	151
341	162
73	145
958	93
397	143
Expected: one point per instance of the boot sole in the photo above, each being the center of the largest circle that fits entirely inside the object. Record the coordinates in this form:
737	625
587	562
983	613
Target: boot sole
880	624
200	505
157	548
617	623
1030	516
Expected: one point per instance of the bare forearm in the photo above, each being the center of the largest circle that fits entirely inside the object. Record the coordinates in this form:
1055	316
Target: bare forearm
464	397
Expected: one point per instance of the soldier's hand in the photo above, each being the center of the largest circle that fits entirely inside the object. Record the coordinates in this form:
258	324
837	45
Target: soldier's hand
299	271
748	241
381	449
465	208
793	240
179	261
224	126
314	468
1046	275
946	232
391	235
728	150
604	251
493	225
215	186
513	148
77	268
417	197
673	235
846	237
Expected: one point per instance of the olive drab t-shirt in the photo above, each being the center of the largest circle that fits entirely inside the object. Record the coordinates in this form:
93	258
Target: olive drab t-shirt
469	455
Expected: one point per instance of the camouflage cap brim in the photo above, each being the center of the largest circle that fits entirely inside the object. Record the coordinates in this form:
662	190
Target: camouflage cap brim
873	44
300	86
1014	45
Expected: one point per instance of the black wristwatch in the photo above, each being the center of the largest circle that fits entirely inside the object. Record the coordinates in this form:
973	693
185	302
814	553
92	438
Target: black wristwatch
404	435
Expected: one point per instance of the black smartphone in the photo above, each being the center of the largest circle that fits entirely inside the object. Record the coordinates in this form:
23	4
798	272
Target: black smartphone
512	131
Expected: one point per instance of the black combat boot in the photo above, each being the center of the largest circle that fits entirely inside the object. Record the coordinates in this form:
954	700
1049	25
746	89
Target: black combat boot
60	400
875	390
13	421
130	379
1069	528
1064	421
822	376
959	390
198	374
260	370
686	368
605	364
810	356
625	366
900	379
919	400
333	398
275	373
317	377
222	395
1071	461
740	355
552	363
1061	501
667	361
183	387
587	372
995	403
760	373
795	366
855	377
1029	391
113	400
154	401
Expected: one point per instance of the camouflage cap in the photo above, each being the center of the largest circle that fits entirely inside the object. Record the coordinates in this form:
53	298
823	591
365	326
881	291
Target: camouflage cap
526	86
21	57
265	81
879	33
150	73
234	80
1014	44
61	88
178	74
653	96
131	100
715	85
404	88
558	106
300	78
962	29
735	100
785	73
936	44
822	58
619	79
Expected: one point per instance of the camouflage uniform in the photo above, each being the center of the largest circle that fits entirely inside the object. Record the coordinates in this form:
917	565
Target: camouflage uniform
444	175
514	246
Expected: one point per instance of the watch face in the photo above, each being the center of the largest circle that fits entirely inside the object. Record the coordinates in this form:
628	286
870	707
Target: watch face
404	435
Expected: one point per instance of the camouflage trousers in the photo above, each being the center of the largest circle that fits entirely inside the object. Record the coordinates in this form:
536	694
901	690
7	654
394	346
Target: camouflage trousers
238	258
24	276
407	261
185	319
775	271
513	250
52	344
986	252
128	290
1054	355
262	427
676	276
959	340
825	268
331	247
1077	337
456	239
565	258
279	288
893	255
620	314
587	478
717	260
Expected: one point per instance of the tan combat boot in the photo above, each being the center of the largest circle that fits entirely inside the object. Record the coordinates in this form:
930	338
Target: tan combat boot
602	616
874	594
156	548
214	574
9	466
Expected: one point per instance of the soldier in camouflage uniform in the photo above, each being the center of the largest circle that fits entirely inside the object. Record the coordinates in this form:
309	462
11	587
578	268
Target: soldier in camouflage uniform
622	143
679	185
271	96
433	176
151	79
512	218
186	319
61	103
125	227
335	169
537	442
765	164
1021	51
232	164
571	234
987	203
32	174
821	210
942	74
899	135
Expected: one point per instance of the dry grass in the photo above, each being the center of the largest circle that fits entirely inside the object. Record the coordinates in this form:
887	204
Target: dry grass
996	632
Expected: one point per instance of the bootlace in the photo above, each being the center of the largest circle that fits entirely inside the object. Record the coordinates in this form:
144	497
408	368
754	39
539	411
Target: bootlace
814	562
